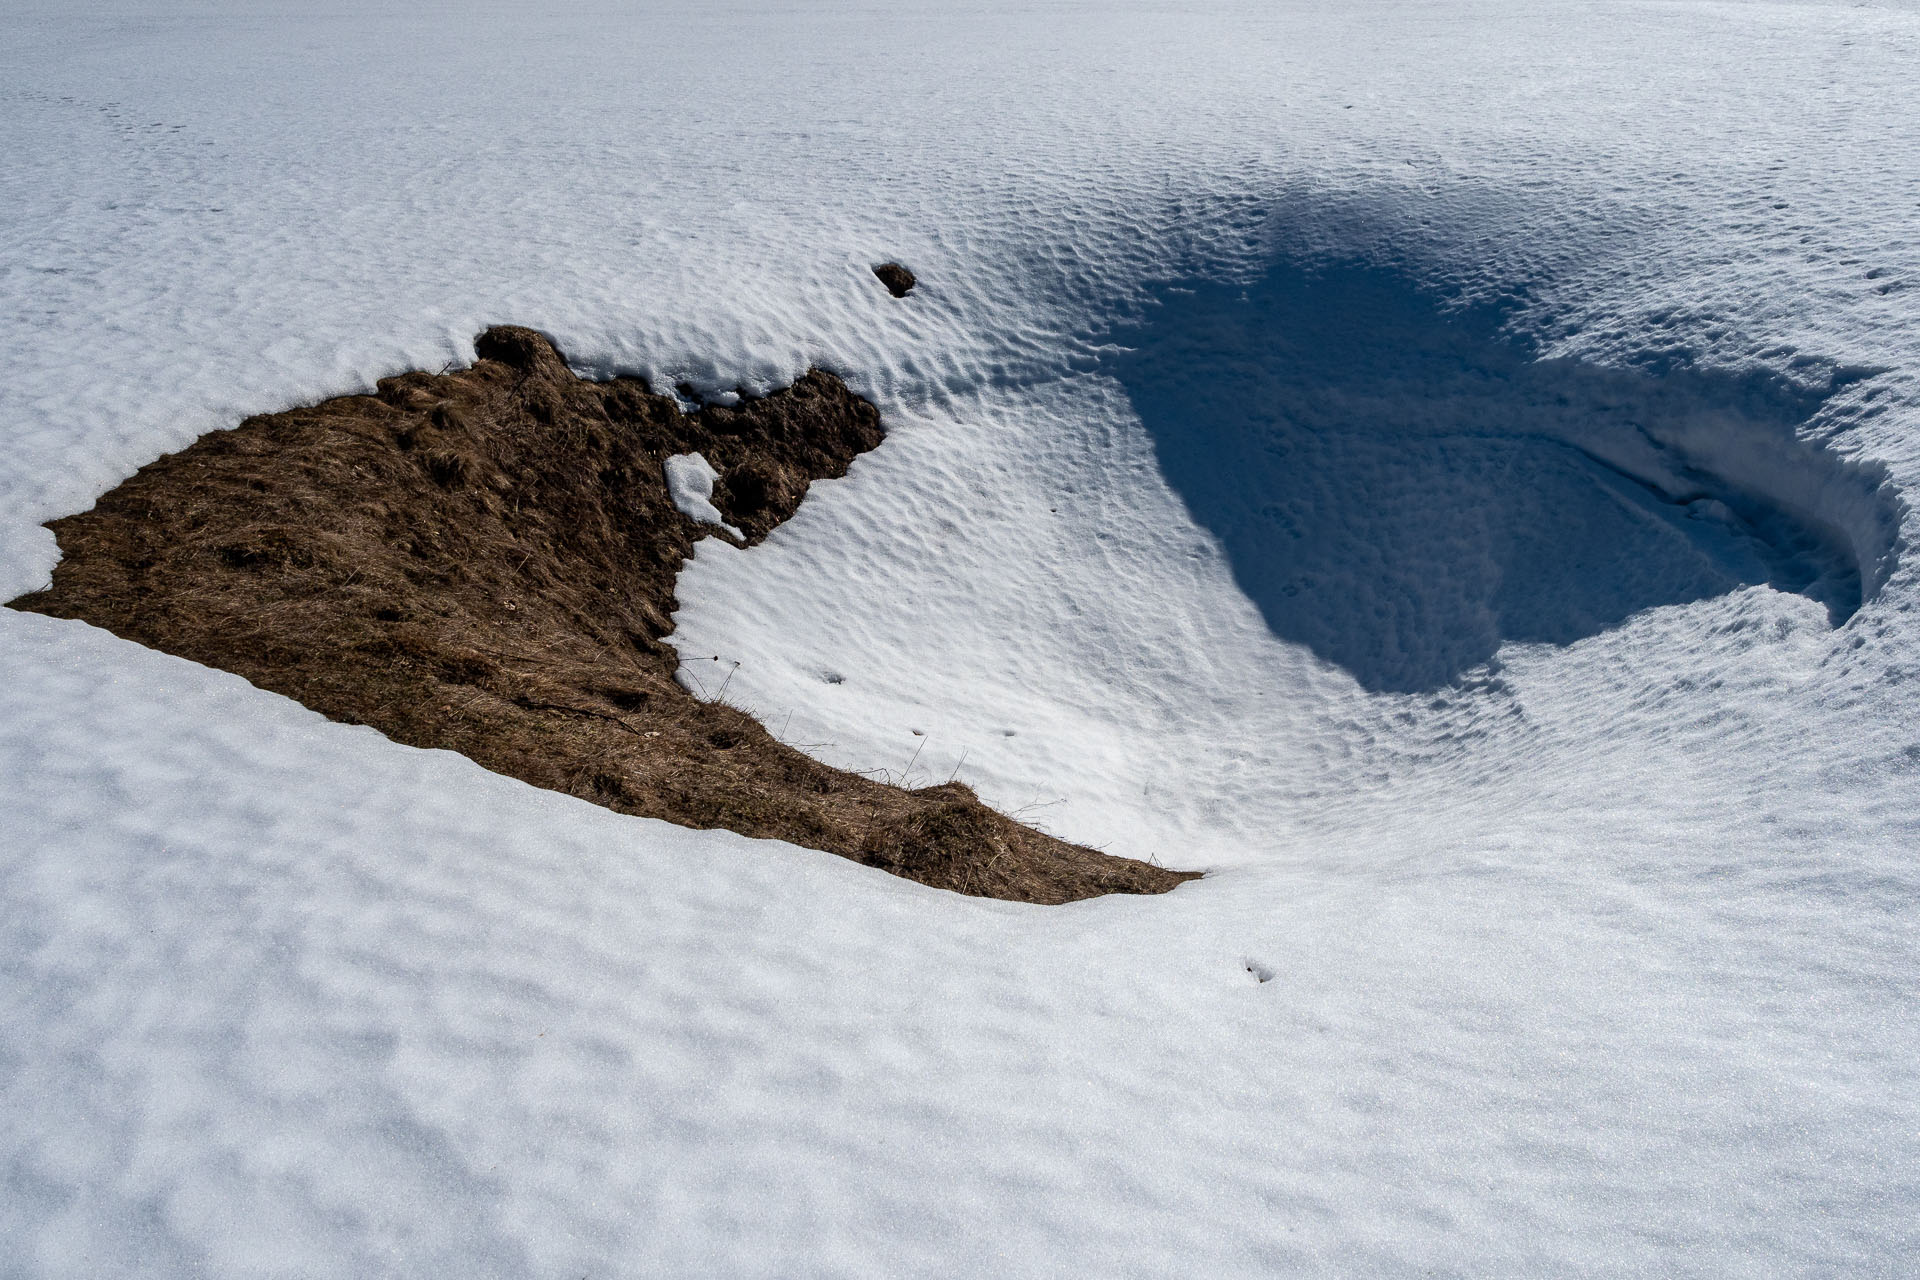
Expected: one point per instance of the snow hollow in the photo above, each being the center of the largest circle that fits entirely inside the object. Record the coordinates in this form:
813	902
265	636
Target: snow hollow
1402	489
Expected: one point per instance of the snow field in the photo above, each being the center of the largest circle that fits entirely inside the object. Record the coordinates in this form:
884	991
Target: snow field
1598	960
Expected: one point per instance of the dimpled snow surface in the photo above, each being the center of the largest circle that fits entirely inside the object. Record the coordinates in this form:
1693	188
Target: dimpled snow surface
1441	469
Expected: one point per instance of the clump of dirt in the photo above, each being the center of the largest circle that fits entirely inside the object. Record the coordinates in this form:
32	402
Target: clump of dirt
483	561
898	279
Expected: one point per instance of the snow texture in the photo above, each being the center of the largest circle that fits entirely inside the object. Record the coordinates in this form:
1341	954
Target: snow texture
690	480
1442	468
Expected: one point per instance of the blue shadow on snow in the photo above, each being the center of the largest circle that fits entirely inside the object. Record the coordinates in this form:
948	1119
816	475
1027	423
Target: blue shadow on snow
1402	490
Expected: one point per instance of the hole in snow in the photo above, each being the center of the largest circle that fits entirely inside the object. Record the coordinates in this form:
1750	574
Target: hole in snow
1401	489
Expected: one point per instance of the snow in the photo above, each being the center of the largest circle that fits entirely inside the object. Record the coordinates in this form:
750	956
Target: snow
1589	903
690	480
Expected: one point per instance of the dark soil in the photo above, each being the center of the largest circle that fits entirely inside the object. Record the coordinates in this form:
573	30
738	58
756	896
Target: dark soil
484	562
898	279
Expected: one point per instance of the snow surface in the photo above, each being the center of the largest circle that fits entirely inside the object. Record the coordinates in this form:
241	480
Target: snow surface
1588	902
690	480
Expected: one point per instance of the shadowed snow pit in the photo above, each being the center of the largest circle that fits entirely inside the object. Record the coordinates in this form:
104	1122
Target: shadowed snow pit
484	562
1402	490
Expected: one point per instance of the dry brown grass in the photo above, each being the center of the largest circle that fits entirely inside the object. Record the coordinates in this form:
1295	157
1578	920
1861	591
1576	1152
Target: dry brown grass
898	279
483	561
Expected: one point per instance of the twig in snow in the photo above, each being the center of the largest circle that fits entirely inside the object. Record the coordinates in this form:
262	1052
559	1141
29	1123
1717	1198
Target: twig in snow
916	755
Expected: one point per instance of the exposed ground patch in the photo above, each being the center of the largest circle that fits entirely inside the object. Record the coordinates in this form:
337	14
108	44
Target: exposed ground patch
898	279
483	561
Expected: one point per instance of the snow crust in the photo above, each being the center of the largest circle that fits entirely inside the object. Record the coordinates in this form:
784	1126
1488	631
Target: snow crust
1589	915
690	480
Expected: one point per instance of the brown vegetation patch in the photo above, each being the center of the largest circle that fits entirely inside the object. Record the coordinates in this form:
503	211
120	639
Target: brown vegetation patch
898	279
483	561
